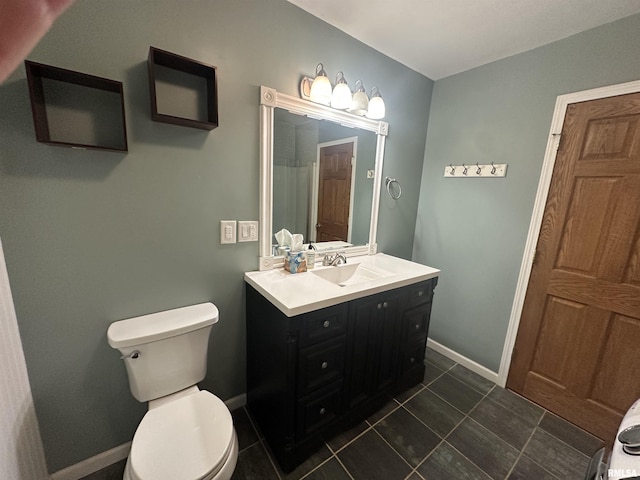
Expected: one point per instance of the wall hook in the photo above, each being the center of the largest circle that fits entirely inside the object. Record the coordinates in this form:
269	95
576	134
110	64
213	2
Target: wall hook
464	169
453	169
478	169
493	169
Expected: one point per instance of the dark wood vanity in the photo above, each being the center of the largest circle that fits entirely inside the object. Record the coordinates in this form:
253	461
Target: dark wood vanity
313	375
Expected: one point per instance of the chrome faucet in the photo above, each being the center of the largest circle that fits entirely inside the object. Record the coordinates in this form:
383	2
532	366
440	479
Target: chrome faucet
333	260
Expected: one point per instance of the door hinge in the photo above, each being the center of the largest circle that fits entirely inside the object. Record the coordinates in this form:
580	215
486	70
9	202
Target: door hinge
558	138
533	257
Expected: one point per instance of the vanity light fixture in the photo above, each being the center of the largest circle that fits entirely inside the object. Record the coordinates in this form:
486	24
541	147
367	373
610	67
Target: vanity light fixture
360	101
321	87
341	97
376	105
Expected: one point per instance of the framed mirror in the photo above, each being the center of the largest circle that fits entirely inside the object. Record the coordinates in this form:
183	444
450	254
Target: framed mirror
320	172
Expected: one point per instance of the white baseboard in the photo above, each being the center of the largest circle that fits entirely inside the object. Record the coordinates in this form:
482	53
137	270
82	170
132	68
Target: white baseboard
104	459
93	464
464	361
236	402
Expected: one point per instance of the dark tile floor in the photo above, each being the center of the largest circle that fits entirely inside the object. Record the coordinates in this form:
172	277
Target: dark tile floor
455	425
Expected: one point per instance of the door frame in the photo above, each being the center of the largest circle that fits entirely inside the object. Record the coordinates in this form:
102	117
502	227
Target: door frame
313	204
557	122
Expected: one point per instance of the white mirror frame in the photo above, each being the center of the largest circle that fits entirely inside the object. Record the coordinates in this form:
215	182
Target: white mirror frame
270	99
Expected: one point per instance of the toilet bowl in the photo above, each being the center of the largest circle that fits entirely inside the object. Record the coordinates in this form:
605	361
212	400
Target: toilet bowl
190	437
187	433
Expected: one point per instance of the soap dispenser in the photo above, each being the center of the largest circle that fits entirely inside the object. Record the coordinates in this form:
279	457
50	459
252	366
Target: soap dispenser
311	256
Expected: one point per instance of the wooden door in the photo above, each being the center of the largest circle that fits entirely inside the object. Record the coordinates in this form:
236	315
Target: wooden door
334	192
577	351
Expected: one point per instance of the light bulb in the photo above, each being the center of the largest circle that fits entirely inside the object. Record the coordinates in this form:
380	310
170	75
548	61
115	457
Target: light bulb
321	87
376	105
341	97
360	101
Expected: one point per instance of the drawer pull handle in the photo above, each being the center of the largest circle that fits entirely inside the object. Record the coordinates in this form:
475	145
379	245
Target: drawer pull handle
379	306
324	365
420	293
323	411
385	304
326	324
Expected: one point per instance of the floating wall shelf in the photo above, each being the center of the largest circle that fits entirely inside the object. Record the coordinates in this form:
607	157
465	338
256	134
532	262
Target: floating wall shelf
183	91
76	110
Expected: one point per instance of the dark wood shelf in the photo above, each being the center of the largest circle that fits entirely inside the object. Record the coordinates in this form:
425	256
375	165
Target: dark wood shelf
183	91
77	110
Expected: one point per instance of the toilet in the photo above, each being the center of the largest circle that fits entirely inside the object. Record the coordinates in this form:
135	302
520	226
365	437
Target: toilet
187	433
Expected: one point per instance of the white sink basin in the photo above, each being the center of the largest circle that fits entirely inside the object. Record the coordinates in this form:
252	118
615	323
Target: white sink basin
351	274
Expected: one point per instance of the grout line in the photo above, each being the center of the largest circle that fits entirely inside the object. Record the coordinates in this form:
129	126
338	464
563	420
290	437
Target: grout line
470	461
559	439
455	427
524	447
273	464
411	467
427	457
343	466
316	467
350	441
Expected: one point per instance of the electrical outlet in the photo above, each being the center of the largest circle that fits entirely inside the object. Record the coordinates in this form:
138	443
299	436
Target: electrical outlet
247	231
227	231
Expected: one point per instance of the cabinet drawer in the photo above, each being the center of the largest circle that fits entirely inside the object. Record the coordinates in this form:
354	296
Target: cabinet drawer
413	356
317	410
416	323
421	292
320	365
323	324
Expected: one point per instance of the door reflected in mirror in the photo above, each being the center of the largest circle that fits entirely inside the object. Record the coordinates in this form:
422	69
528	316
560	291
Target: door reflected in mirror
320	179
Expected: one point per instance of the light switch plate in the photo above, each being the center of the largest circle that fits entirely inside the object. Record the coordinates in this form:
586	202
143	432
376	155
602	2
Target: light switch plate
227	231
247	231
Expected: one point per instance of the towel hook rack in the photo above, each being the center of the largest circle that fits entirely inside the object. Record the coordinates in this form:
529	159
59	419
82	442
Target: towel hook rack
388	181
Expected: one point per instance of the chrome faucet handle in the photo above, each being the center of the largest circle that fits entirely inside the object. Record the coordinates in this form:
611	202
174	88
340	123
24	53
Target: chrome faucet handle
339	259
327	259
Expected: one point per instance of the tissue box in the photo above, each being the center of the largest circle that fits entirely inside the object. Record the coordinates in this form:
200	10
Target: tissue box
295	262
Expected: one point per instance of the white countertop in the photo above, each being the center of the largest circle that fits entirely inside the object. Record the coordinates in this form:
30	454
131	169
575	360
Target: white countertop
304	292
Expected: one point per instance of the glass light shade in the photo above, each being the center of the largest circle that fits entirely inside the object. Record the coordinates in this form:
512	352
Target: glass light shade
321	87
341	97
376	105
360	101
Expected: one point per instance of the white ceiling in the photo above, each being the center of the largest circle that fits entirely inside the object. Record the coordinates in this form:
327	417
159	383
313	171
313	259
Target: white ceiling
441	37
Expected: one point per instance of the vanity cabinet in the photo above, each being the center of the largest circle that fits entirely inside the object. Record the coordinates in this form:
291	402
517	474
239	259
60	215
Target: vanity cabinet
314	375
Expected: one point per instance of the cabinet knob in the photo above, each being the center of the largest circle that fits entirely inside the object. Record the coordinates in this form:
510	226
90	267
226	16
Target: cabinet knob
420	293
324	365
417	326
326	324
412	360
379	306
385	304
323	411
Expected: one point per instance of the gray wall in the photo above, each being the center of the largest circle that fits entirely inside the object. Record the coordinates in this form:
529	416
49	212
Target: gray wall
475	229
92	237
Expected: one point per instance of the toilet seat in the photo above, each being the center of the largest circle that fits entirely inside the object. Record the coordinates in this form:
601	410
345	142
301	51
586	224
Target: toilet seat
190	437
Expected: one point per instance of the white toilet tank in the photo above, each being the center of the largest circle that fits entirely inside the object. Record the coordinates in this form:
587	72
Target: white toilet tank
164	352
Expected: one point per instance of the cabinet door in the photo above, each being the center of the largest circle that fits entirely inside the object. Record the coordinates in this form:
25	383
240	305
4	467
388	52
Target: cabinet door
374	325
360	360
388	323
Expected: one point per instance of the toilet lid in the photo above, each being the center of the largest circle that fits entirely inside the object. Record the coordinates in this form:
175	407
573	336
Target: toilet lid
188	438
